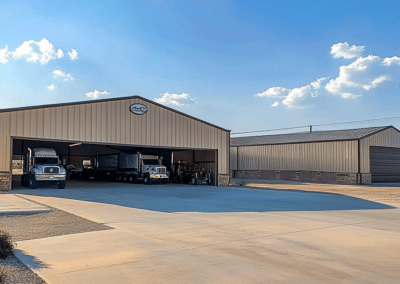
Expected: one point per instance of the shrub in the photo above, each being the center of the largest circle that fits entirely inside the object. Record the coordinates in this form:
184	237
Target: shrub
3	274
6	246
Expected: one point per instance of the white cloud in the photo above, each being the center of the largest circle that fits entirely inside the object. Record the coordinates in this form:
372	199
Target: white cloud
95	94
391	60
292	95
343	49
364	73
175	99
73	54
62	74
34	51
51	87
60	53
4	55
274	92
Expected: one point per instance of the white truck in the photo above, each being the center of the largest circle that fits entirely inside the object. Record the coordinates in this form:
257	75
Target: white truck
132	167
42	166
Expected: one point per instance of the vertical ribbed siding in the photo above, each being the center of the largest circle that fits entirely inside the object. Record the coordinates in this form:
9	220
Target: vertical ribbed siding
5	122
387	138
112	122
233	158
340	156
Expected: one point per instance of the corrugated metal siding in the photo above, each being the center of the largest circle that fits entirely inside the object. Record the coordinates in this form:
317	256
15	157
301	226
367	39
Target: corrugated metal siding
338	156
386	138
112	122
233	161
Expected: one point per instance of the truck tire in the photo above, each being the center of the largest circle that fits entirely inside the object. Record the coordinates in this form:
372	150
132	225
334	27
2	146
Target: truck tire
61	184
147	180
209	181
131	179
32	184
24	181
125	179
193	181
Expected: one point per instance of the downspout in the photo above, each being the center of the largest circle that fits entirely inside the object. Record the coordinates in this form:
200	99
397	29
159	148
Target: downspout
28	164
359	163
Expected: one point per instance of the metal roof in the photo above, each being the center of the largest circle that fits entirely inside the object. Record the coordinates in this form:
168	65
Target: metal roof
303	137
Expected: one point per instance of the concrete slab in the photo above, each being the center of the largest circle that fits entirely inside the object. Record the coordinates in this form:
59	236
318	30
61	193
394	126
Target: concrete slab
12	204
168	243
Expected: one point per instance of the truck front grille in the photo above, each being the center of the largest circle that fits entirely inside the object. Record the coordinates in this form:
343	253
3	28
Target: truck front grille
161	170
51	170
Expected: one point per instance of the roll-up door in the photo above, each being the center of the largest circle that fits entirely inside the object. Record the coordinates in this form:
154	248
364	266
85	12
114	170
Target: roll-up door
385	164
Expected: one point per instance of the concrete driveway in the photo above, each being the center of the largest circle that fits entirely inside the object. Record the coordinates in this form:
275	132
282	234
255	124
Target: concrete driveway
201	234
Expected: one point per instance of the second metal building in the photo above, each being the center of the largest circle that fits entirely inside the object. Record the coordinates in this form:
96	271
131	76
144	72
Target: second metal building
362	155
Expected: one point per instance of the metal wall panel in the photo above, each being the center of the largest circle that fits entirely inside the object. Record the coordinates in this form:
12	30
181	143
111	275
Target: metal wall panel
112	122
387	138
340	156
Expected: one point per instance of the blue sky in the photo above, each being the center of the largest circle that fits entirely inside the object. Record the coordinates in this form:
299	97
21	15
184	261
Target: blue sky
243	65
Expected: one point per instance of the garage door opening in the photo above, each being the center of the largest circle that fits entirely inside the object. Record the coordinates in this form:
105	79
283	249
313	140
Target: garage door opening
83	159
385	164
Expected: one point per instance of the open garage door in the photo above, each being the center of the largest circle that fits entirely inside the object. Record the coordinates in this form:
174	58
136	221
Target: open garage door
385	164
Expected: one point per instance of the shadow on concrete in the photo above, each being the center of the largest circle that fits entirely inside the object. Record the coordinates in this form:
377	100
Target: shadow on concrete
29	260
184	198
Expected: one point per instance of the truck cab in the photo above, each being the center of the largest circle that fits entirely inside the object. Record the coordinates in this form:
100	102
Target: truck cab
42	166
153	169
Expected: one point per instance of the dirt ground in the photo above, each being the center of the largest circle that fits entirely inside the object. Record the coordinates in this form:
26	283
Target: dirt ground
386	193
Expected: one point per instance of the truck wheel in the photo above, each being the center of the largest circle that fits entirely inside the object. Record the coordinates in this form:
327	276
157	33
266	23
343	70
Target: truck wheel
125	178
24	182
209	181
61	184
131	179
147	180
194	181
32	184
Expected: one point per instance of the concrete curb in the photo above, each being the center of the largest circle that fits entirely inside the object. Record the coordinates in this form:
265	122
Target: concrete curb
24	212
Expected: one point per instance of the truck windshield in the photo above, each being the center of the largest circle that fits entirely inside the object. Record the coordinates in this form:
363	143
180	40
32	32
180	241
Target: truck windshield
150	162
46	161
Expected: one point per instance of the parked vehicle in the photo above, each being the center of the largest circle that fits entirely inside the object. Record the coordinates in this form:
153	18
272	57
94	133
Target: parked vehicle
42	166
191	173
126	167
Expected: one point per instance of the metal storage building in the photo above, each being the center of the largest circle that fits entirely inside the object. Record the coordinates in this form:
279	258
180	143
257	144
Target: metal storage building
362	155
109	126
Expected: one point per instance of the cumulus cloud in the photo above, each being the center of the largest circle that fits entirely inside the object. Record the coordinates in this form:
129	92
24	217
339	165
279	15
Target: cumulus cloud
34	51
343	49
391	60
292	95
95	94
59	73
4	55
274	92
73	54
363	74
175	99
51	87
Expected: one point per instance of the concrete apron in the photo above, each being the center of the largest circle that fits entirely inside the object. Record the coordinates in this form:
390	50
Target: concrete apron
356	246
12	204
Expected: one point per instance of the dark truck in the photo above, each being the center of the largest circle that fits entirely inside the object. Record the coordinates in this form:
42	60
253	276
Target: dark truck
191	173
132	168
42	166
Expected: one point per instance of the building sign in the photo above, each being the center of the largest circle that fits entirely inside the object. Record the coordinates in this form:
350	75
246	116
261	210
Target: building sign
138	109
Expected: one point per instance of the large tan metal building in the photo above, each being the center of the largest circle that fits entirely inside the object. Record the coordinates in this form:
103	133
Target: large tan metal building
80	131
342	156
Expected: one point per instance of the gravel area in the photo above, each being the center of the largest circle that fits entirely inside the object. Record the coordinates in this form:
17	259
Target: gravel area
18	272
49	224
35	226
